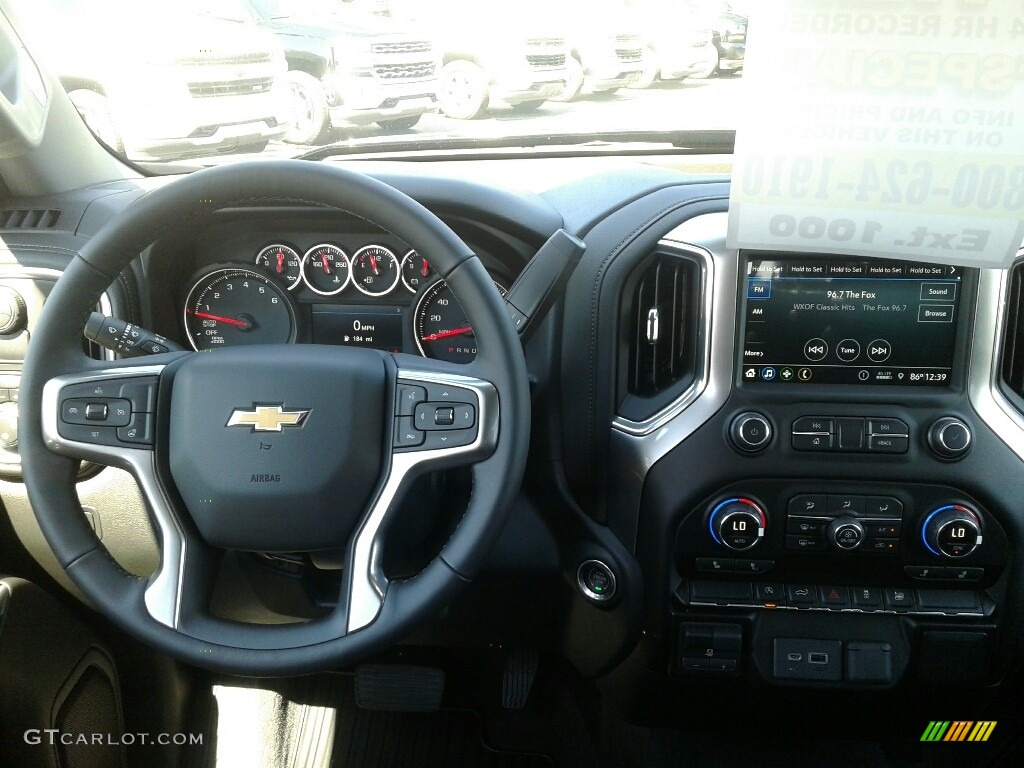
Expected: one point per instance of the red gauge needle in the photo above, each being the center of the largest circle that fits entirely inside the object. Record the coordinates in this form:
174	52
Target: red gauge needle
280	262
446	334
373	265
219	319
327	266
425	268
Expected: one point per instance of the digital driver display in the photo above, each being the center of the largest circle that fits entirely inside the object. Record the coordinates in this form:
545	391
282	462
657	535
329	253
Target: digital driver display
830	320
358	326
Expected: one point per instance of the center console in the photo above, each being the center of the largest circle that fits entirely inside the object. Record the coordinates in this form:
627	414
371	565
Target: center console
847	542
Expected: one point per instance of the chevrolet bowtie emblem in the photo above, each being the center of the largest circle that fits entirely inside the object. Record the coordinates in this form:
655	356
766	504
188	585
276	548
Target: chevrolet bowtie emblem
267	418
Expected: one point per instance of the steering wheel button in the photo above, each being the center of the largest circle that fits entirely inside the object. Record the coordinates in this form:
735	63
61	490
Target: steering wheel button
73	411
444	417
84	433
138	430
141	393
91	390
465	415
407	398
449	438
96	411
406	434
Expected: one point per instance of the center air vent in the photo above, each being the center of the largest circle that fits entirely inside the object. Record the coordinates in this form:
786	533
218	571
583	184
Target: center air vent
28	218
1012	362
660	334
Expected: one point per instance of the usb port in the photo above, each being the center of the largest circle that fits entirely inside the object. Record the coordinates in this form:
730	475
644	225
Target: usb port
794	657
817	657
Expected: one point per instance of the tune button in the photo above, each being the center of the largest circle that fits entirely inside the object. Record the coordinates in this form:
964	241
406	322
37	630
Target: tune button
949	437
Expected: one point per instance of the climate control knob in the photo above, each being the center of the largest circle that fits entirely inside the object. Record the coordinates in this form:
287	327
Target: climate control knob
951	531
737	523
846	533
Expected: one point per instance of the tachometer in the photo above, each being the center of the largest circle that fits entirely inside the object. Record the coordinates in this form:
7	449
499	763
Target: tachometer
234	307
440	325
375	270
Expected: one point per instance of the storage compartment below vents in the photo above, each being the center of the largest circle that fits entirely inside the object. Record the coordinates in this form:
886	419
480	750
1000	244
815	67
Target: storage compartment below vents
659	336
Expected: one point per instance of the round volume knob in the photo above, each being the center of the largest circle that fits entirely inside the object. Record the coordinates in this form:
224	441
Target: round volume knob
737	523
952	531
949	437
12	311
750	432
846	533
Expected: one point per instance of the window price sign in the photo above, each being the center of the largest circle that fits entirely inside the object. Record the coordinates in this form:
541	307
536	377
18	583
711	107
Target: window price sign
883	127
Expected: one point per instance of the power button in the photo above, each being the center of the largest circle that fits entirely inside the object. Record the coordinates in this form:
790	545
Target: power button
751	432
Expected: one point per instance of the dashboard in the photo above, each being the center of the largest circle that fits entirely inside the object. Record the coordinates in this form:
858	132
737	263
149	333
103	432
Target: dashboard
749	468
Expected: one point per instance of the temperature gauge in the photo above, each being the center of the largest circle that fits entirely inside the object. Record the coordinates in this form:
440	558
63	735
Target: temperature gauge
325	268
375	270
282	262
416	271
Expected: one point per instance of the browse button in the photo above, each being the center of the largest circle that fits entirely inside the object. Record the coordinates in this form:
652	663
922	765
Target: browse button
935	313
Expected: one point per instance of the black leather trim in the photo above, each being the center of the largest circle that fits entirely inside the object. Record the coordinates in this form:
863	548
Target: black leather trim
614	247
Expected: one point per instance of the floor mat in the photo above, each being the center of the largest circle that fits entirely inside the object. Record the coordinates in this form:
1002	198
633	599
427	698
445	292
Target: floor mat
446	739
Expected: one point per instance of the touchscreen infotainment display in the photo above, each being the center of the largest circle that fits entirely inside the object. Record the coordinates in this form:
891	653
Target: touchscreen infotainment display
831	320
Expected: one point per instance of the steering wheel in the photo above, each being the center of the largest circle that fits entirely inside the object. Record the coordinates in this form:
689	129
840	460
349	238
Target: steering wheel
271	448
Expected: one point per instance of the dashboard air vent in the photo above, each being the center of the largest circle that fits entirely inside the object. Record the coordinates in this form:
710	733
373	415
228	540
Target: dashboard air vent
661	312
1012	363
28	218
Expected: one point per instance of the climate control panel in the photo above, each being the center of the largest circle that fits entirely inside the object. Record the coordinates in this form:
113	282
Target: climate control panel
852	535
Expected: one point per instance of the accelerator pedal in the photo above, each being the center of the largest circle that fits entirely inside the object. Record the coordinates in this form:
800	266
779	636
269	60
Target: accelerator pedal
520	671
398	688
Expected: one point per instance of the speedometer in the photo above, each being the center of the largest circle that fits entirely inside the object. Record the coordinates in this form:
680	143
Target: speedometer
235	307
440	325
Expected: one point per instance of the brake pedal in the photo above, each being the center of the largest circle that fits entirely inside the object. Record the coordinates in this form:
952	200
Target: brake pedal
398	688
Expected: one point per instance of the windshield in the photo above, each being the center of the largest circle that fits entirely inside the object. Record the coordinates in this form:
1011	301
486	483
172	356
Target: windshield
217	80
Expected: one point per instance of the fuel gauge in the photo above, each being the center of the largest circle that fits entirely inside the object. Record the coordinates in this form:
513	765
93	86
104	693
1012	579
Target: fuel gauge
282	262
375	270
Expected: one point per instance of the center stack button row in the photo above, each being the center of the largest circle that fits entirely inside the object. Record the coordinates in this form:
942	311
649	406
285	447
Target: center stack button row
876	434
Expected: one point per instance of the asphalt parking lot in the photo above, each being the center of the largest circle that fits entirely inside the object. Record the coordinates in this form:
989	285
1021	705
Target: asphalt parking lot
667	105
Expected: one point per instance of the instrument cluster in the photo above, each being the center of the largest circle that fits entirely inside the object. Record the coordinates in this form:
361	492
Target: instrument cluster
324	294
